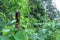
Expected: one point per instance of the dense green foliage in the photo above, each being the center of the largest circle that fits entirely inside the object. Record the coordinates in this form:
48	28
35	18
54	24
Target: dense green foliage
35	21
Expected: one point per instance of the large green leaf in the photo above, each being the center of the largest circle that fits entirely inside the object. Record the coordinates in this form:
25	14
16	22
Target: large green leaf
20	35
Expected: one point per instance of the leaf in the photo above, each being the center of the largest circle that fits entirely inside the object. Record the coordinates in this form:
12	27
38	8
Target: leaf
4	38
20	35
